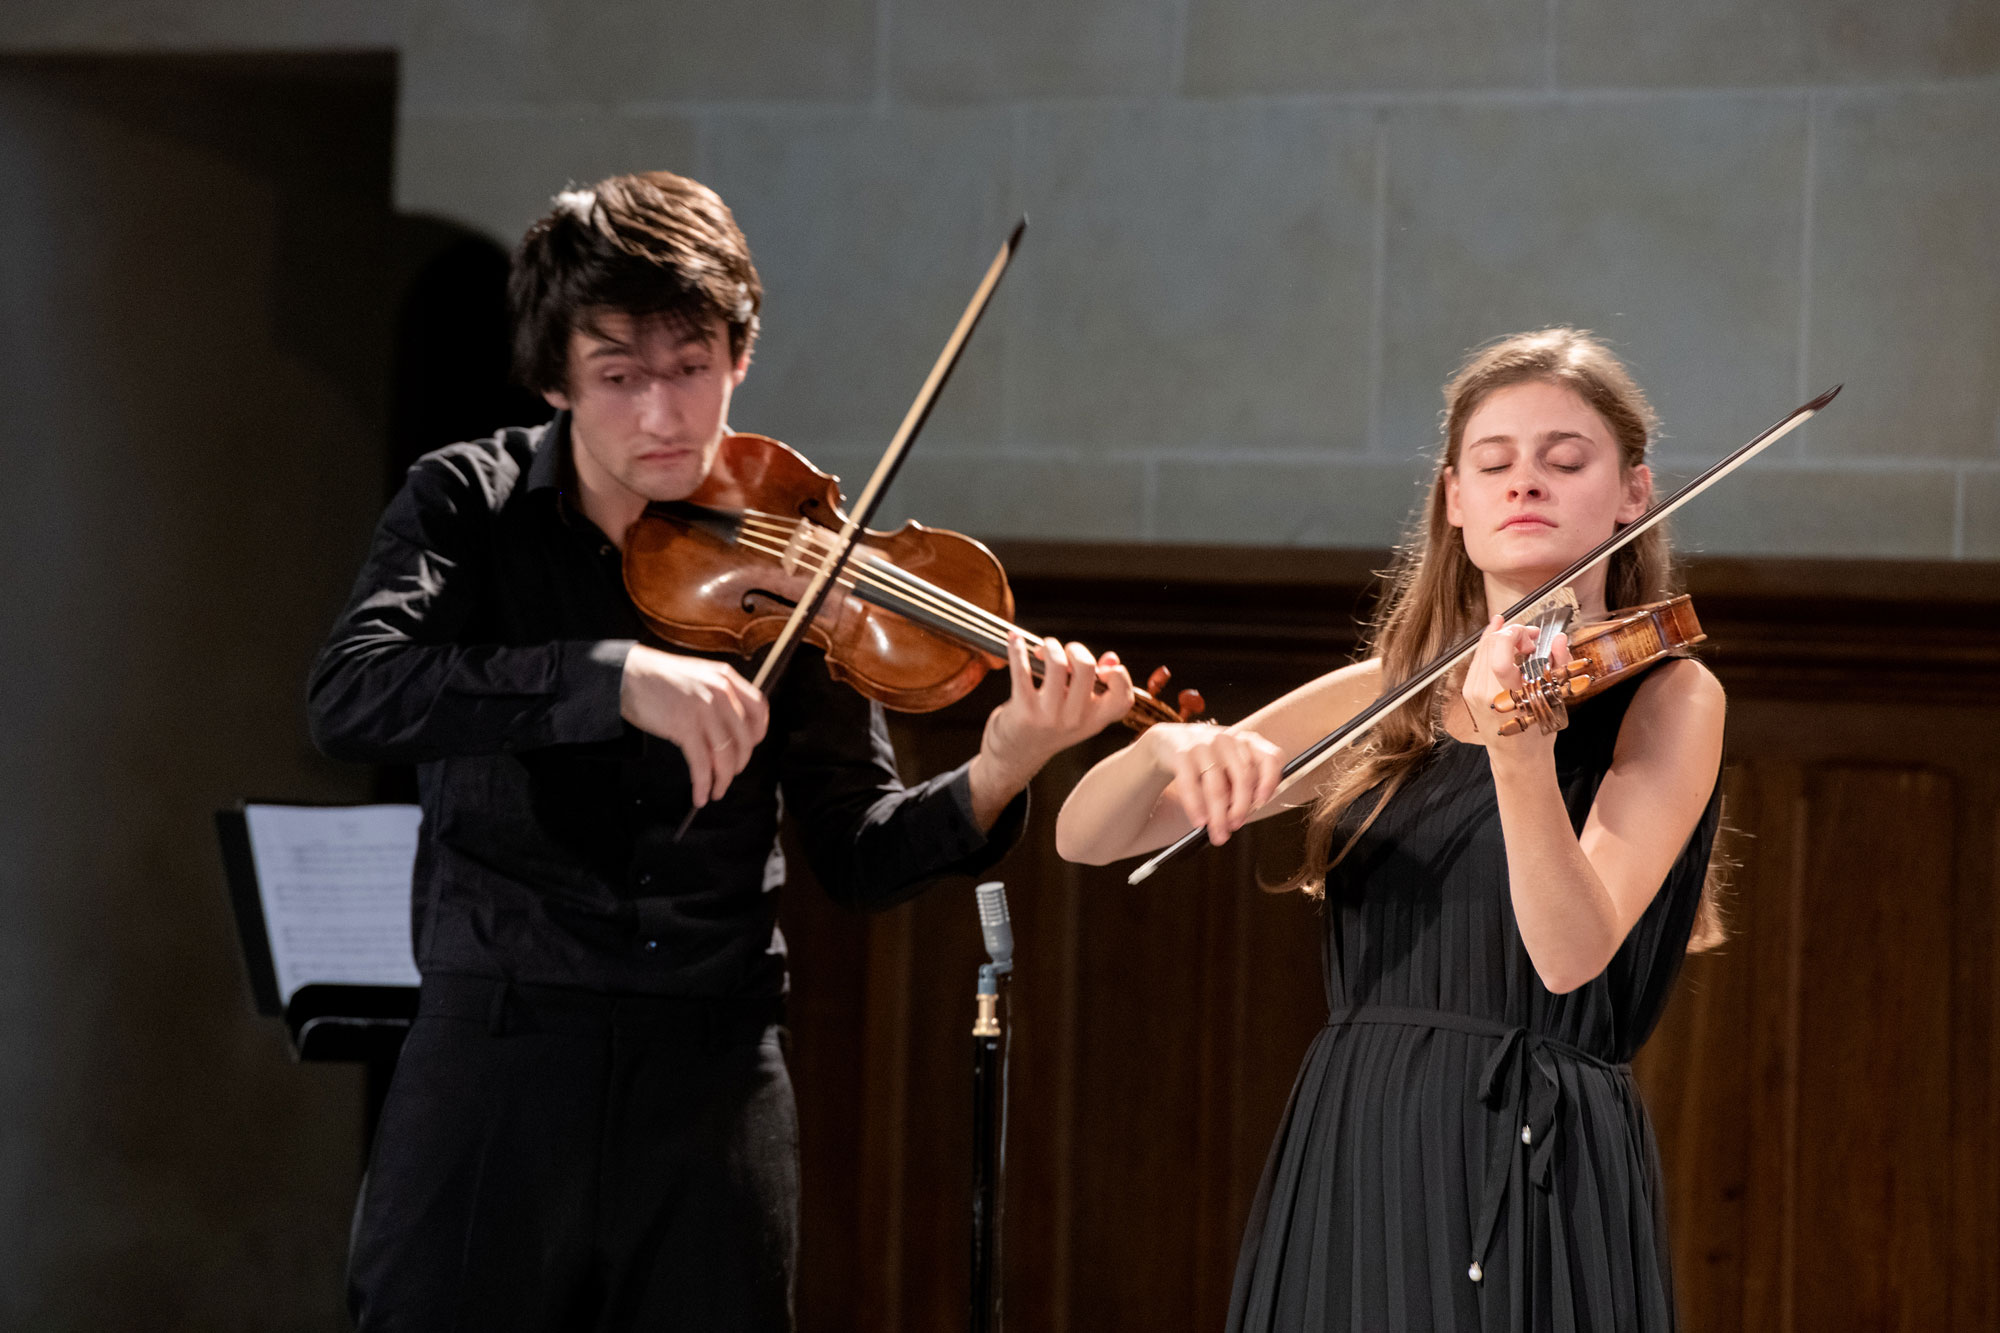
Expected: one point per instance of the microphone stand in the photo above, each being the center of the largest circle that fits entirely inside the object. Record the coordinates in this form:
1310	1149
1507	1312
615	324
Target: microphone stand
989	1107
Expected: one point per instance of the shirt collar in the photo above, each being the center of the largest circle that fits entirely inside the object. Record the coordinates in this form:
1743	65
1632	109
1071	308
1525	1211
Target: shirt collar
553	471
553	468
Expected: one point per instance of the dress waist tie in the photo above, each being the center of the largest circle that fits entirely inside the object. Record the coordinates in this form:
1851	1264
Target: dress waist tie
1520	1086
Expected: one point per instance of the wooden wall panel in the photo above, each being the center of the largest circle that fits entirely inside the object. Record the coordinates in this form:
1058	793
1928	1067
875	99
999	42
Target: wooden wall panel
1825	1088
1976	1064
1766	953
1844	1139
1701	1073
1874	1106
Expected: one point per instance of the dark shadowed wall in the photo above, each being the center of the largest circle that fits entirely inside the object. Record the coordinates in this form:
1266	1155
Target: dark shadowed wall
193	355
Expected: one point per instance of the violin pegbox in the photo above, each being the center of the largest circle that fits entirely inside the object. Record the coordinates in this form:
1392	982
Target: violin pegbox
1188	704
1152	707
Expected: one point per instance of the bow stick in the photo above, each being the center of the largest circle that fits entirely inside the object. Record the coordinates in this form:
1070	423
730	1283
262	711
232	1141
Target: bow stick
1426	676
863	509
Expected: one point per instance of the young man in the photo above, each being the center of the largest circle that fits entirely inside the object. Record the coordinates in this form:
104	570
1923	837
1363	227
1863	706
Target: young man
592	1126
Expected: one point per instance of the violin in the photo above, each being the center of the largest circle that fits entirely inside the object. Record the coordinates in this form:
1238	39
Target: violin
1602	654
915	620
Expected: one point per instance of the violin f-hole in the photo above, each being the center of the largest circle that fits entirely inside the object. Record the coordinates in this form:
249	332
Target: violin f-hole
749	603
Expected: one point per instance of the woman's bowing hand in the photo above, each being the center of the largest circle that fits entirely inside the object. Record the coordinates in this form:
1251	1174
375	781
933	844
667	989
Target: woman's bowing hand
1179	776
1220	775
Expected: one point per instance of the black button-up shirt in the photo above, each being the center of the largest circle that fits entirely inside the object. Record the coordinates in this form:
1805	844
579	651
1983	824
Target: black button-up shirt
484	642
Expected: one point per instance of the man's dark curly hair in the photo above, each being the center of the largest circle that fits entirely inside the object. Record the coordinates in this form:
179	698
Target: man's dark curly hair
651	244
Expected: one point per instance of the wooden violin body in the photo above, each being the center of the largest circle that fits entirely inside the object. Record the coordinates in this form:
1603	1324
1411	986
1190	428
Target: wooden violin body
1601	655
686	571
915	621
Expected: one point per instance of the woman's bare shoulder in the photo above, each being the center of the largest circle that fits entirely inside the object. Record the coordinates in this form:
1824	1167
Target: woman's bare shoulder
1679	684
1679	706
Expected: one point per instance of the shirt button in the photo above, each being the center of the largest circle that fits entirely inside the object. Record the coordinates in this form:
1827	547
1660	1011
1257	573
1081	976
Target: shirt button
645	877
1527	1134
638	801
652	946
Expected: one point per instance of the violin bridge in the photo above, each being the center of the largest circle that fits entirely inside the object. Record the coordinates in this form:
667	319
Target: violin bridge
795	550
1551	617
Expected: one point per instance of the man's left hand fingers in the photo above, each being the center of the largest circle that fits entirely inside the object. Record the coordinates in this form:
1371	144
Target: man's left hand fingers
1055	670
1081	689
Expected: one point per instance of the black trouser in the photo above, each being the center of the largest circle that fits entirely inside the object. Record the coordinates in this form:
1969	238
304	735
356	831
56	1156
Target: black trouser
561	1160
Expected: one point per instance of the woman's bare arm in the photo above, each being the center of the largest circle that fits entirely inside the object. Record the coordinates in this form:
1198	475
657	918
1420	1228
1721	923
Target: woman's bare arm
1577	898
1176	777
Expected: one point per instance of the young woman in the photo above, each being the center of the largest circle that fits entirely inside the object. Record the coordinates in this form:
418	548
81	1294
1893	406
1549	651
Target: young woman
1465	1147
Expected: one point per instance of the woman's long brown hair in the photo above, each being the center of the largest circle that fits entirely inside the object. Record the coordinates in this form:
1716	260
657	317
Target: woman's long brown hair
1437	596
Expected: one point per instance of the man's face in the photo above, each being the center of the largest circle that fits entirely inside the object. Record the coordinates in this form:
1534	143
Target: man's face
648	403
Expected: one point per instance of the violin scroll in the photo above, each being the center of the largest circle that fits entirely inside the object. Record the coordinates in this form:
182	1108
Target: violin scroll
1149	706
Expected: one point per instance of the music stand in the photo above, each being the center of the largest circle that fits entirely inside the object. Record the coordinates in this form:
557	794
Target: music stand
327	1021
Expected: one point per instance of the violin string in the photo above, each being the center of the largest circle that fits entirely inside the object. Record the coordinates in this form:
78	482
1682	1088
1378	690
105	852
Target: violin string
921	589
777	551
971	619
963	616
888	576
983	627
918	588
896	583
870	575
771	535
775	534
891	577
940	616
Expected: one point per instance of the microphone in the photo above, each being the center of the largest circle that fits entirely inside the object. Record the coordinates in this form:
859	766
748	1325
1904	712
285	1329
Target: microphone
995	926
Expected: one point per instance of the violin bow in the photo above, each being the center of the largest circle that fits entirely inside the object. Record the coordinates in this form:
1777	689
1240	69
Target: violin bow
1425	676
864	508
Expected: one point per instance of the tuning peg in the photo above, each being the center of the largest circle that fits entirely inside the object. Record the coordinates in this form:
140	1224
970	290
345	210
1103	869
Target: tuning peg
1156	684
1192	705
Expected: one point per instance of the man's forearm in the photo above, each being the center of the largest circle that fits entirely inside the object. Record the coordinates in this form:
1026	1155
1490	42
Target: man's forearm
993	786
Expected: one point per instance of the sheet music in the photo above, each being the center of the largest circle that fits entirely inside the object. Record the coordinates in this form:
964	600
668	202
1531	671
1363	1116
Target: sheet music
335	885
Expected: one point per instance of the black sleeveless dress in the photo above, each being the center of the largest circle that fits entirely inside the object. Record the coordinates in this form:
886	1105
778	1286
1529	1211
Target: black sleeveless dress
1464	1149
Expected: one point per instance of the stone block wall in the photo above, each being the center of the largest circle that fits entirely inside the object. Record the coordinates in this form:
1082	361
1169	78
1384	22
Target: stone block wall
1264	231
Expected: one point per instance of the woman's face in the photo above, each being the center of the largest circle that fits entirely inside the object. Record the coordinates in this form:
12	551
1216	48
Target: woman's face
1538	484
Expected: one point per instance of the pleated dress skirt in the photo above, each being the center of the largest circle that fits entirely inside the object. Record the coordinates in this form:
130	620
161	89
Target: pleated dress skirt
1464	1149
